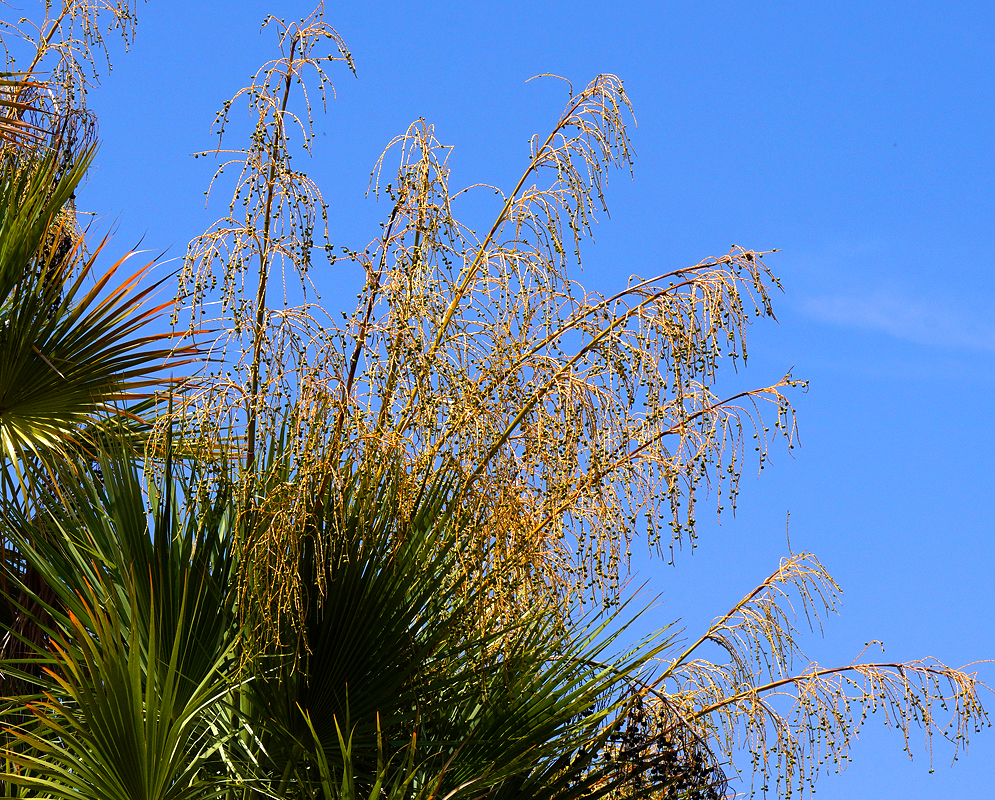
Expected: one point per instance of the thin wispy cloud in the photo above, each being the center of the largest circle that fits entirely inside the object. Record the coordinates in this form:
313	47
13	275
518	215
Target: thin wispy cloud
938	322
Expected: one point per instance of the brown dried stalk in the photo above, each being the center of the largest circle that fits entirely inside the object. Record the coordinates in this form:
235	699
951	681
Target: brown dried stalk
67	45
270	225
572	414
795	723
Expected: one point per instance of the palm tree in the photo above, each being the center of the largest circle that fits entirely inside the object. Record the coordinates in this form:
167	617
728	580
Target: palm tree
376	592
74	348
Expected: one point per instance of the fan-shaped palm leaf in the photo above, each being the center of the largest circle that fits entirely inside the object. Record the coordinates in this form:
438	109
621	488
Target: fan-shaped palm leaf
398	683
110	728
97	536
67	353
124	695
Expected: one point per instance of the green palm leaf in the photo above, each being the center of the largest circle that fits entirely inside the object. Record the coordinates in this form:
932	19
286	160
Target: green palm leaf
108	728
33	191
127	688
95	535
68	354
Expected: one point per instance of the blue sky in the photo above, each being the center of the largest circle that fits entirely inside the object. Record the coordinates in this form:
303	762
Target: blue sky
855	137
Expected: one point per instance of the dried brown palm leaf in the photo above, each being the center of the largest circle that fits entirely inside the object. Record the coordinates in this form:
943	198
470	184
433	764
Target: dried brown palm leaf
18	97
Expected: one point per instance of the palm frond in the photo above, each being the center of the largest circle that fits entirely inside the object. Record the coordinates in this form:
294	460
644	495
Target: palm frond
123	686
33	192
93	533
108	727
68	353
